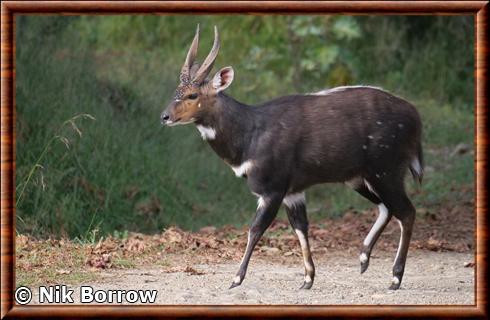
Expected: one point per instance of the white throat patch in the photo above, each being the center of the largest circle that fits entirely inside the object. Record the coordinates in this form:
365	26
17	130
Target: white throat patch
243	169
207	133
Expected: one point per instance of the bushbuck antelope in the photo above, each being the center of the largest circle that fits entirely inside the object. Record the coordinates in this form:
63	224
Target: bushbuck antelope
361	136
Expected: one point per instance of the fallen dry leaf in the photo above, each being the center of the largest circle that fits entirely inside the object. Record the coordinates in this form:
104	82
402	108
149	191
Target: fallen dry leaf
193	271
61	271
100	262
135	245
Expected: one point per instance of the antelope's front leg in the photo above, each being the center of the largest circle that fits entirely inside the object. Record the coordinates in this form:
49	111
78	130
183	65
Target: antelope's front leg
266	212
296	209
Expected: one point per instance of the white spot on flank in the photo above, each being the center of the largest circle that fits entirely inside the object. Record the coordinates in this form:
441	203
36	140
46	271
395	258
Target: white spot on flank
363	258
379	122
364	146
342	88
207	133
243	169
382	217
294	199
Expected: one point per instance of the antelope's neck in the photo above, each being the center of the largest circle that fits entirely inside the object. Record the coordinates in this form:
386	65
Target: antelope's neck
229	129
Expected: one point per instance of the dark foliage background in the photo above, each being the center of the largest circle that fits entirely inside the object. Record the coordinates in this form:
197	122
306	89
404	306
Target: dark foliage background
80	177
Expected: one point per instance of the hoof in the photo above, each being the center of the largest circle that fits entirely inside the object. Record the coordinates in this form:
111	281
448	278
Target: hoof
306	285
238	281
395	284
364	257
364	266
233	285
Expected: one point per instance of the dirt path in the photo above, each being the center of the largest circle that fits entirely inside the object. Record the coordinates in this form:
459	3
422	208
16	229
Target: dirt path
430	278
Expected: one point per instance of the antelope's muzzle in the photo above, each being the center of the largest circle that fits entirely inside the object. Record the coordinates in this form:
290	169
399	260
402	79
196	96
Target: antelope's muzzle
164	118
168	115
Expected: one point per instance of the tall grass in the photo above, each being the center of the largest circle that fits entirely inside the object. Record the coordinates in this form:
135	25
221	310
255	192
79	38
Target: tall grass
21	187
129	173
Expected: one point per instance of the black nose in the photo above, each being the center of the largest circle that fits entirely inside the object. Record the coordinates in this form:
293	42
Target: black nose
164	117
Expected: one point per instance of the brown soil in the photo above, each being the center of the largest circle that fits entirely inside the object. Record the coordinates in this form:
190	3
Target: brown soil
197	267
430	278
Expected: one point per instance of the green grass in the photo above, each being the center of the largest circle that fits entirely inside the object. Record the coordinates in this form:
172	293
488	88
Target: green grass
50	276
126	172
50	263
124	263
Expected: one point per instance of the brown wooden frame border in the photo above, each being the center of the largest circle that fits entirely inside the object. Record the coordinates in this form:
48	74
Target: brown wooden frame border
479	9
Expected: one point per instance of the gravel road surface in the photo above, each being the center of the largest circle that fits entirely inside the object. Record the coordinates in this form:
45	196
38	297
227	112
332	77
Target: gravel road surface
430	278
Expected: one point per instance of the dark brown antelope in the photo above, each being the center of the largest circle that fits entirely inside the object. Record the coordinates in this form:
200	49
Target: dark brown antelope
361	136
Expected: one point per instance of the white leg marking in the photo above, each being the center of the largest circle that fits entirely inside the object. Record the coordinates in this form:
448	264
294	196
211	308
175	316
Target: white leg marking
237	279
363	257
248	244
304	248
370	187
395	280
243	169
260	203
307	278
415	164
294	199
400	243
207	133
382	217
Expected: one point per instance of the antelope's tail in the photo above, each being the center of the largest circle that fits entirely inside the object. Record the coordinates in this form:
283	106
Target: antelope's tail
417	164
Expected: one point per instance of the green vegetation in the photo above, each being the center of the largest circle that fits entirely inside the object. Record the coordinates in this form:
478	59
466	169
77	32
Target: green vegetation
123	171
50	261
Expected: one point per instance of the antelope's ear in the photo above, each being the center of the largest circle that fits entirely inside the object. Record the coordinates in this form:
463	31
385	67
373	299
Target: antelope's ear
222	79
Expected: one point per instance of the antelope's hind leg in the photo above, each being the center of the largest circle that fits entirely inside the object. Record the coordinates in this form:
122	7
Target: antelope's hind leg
397	203
405	215
384	216
296	210
366	190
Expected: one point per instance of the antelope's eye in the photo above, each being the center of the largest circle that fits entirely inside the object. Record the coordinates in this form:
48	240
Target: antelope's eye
192	96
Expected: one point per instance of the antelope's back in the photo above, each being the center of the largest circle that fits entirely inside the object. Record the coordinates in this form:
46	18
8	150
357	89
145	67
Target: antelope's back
338	135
